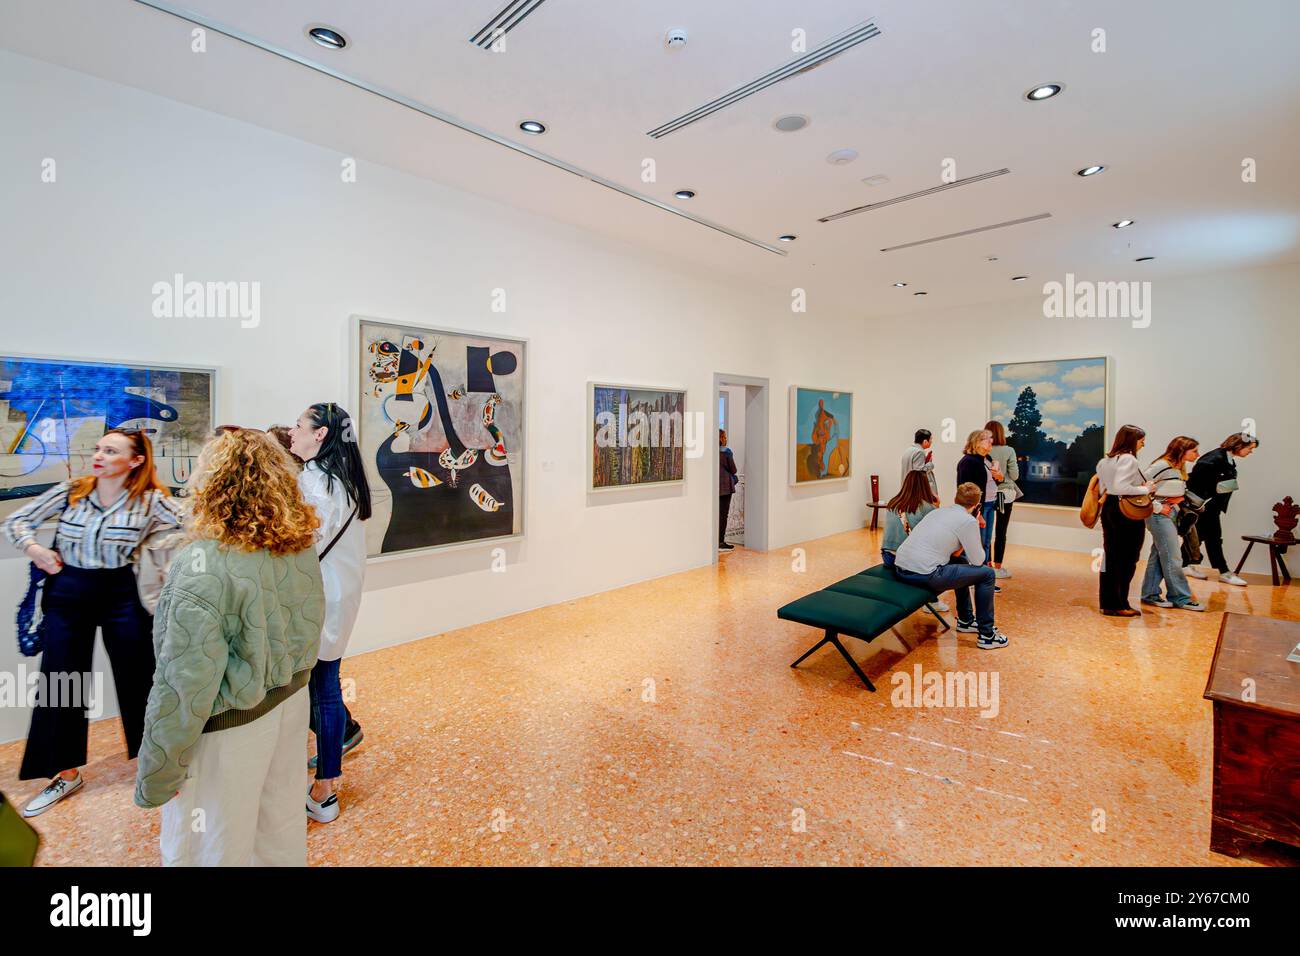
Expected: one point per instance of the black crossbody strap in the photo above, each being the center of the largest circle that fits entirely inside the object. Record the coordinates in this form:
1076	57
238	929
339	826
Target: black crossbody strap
330	547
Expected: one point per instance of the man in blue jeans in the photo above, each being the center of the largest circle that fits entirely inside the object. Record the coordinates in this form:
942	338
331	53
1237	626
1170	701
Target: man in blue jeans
932	557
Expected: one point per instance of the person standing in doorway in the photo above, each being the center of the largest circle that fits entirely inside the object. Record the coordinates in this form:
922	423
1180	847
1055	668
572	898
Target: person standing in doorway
103	518
726	488
333	481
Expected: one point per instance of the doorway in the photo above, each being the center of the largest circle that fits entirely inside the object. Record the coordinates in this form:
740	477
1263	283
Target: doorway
741	407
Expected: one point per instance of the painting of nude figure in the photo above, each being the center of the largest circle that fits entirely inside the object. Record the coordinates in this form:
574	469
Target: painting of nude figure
821	440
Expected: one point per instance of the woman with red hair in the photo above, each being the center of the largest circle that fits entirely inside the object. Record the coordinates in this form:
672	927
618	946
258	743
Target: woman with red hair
103	518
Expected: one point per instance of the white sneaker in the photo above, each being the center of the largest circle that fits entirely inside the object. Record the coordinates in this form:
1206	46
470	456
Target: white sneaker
1232	579
1192	571
940	606
989	642
58	789
1001	573
325	812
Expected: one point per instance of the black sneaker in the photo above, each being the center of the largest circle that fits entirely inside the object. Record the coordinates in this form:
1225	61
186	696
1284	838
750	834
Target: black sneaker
992	641
726	547
352	736
967	627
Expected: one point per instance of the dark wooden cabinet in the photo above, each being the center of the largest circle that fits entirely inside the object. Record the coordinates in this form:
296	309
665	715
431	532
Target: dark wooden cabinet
1256	696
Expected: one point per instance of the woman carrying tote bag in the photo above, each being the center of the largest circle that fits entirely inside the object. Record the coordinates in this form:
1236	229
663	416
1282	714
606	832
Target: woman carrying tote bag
104	519
1118	476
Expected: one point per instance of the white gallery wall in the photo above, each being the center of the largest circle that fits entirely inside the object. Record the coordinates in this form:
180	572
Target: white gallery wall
147	187
1219	349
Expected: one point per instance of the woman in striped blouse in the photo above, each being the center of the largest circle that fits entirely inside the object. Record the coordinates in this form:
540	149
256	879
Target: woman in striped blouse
102	518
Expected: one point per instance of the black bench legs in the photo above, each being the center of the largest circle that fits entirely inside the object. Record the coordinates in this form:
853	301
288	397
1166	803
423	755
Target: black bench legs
833	637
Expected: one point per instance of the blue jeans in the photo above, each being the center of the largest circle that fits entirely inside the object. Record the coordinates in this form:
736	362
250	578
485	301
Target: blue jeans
959	576
1165	561
328	718
988	510
887	558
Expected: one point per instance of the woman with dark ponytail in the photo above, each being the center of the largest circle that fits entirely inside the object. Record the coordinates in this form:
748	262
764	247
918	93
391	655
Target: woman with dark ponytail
333	481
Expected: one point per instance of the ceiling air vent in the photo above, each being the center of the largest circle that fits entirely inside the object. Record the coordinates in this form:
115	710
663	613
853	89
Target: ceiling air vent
970	232
509	17
810	60
917	195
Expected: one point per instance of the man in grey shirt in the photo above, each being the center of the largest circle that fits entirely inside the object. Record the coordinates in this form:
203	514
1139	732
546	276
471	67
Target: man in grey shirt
919	457
932	557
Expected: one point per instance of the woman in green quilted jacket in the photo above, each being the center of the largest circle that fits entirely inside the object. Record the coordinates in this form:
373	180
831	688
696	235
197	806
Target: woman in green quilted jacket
235	634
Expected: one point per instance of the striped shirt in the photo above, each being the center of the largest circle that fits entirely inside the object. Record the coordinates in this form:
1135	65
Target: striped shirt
90	535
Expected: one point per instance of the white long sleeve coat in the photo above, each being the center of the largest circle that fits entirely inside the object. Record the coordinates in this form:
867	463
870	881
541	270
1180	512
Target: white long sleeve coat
344	568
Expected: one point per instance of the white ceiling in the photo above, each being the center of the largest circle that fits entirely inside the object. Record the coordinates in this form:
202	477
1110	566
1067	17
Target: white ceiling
1184	92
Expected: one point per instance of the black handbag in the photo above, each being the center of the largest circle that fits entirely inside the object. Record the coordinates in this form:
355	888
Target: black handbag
31	622
1189	510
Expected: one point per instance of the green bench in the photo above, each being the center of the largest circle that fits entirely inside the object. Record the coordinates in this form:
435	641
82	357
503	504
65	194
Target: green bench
862	606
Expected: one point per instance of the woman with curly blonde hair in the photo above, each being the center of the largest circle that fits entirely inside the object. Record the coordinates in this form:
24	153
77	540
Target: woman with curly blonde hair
236	635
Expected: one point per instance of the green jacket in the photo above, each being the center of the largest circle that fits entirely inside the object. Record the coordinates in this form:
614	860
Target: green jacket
235	634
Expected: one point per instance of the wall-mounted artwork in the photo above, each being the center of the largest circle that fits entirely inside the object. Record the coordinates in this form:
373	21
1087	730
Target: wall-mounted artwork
1056	415
821	435
635	435
53	411
442	421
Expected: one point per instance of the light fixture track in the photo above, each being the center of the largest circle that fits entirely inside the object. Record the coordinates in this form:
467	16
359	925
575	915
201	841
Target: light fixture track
233	33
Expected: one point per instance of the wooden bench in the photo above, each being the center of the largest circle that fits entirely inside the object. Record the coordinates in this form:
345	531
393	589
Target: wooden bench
863	606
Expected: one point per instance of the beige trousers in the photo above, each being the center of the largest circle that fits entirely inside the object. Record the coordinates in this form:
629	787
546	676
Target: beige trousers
243	801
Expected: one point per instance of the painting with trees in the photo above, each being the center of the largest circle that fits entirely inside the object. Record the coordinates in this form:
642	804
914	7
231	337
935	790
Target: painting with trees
1055	414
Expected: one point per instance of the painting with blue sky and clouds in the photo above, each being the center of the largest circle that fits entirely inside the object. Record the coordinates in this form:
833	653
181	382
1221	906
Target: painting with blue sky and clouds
1055	417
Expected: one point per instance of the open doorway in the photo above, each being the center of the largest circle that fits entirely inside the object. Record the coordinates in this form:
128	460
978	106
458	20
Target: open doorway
741	409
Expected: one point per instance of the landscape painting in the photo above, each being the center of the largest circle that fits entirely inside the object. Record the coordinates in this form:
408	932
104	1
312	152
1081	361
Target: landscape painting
821	441
1055	414
635	435
53	411
441	416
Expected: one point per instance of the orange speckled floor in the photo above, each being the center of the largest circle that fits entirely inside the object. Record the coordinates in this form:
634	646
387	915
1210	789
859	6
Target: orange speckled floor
661	724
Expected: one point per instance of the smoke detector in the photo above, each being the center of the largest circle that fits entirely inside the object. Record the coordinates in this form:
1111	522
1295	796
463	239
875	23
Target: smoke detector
676	39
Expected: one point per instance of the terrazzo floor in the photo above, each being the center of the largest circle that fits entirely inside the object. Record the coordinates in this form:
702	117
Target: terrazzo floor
661	724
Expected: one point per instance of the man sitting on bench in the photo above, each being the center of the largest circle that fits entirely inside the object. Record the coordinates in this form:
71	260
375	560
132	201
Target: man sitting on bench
931	557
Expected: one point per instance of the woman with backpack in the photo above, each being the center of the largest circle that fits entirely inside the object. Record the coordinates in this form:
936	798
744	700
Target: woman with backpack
1214	478
333	481
1169	475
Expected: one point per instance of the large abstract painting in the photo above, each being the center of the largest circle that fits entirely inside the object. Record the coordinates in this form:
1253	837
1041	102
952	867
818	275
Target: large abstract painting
821	440
1055	414
636	435
442	435
53	411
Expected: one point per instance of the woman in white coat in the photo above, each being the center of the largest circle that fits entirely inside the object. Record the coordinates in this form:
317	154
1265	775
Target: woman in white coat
333	482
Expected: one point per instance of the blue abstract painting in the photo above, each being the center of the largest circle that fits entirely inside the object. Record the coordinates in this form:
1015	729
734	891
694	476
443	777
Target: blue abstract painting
53	411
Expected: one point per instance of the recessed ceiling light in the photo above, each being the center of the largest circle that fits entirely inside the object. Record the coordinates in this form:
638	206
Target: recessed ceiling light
990	258
790	124
920	293
685	194
532	126
328	37
1019	278
877	180
787	238
1090	171
1044	92
1122	224
842	157
900	285
1144	259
